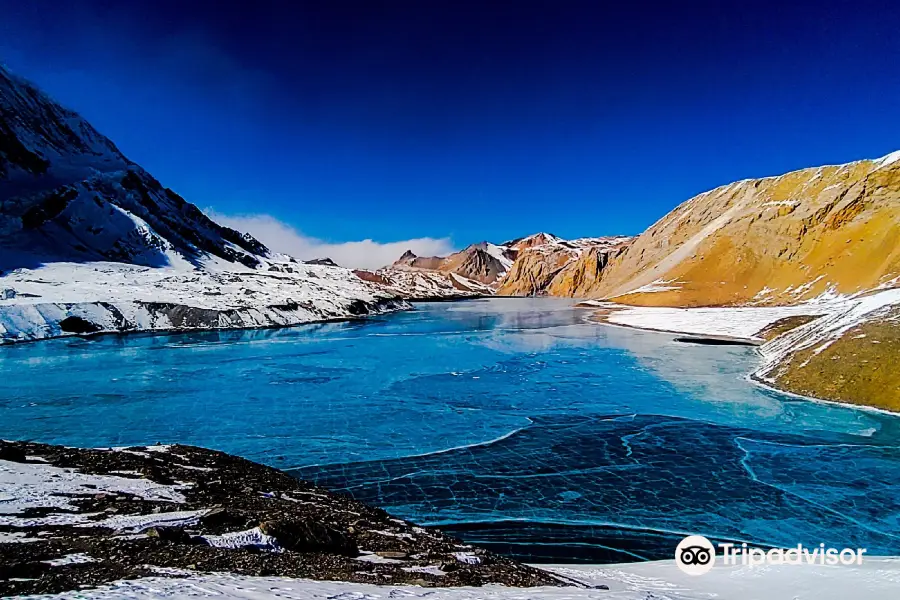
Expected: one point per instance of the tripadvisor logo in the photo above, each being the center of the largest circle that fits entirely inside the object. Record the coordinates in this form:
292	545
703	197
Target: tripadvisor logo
696	555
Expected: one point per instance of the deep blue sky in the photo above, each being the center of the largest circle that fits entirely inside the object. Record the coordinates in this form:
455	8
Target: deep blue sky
477	120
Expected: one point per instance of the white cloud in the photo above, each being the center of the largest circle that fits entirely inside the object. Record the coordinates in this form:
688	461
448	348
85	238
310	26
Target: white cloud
364	254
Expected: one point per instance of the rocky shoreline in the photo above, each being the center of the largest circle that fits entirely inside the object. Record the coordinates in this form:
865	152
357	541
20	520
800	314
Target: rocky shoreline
74	518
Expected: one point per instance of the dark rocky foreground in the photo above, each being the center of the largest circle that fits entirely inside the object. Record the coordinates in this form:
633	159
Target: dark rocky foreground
306	531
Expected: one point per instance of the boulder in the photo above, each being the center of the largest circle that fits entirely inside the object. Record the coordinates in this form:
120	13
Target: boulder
307	535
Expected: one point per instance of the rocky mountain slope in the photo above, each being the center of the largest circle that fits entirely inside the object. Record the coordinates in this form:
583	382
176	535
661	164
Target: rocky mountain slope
548	265
66	192
73	519
775	240
91	242
823	240
424	284
485	263
522	267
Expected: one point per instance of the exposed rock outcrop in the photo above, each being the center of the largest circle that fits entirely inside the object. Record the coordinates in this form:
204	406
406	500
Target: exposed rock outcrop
548	265
484	263
321	261
75	519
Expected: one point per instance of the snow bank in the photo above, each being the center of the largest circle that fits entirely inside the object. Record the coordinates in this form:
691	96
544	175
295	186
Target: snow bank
844	313
72	298
875	579
744	322
26	486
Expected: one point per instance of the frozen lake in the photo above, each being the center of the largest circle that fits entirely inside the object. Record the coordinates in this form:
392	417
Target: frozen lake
513	423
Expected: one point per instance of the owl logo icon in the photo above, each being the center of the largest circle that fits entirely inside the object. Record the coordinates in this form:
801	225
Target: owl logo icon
695	555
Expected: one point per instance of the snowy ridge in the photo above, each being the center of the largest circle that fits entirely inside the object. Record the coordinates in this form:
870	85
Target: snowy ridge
63	146
486	268
91	243
424	284
73	298
501	253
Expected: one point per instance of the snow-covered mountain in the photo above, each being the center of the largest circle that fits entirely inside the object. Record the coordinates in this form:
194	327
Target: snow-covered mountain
69	194
485	263
524	266
89	241
425	284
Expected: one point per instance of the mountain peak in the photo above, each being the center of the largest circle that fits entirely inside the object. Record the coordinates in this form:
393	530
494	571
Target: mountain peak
39	137
78	198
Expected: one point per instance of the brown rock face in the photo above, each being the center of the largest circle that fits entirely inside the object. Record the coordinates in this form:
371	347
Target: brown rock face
484	263
777	240
548	265
537	239
417	262
581	275
534	269
371	276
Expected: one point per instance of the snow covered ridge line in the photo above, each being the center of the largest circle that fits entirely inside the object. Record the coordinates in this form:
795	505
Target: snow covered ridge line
62	299
845	313
92	243
70	517
425	285
31	322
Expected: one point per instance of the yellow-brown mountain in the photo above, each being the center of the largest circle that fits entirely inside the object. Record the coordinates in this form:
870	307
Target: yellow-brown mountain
775	240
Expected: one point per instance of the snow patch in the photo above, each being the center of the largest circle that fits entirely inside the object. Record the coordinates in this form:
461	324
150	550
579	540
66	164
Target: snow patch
841	314
659	285
888	159
16	537
430	570
26	486
875	579
139	523
743	322
70	559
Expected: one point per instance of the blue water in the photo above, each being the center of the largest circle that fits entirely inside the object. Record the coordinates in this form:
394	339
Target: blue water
509	422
